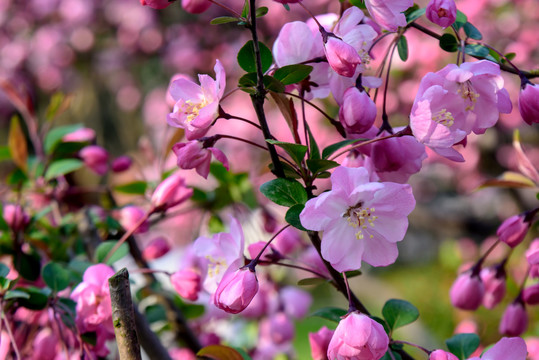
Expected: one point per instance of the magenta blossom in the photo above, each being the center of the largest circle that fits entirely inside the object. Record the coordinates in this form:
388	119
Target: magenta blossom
236	290
442	12
467	291
513	348
15	217
187	282
96	158
342	57
528	103
121	163
319	342
171	192
442	355
196	6
156	4
156	248
358	111
130	216
513	230
193	155
358	337
494	279
388	13
197	106
514	320
361	220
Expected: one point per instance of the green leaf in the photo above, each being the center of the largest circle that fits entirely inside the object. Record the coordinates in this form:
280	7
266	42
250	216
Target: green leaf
296	151
135	187
104	248
247	59
28	265
62	167
54	137
56	276
261	11
330	313
311	281
292	74
292	216
4	153
243	353
460	20
476	50
89	338
4	270
313	146
59	103
247	80
273	84
245	10
510	56
16	294
387	356
334	147
285	192
353	273
472	32
414	15
37	298
399	313
223	20
219	352
449	43
402	47
463	345
321	165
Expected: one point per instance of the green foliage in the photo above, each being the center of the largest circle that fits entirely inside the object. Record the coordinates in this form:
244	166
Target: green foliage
261	11
476	50
54	137
28	265
56	276
62	167
292	74
223	20
402	48
311	281
296	151
134	188
104	248
247	59
320	165
37	299
463	345
220	352
328	151
461	20
449	43
285	192
414	14
330	313
472	32
292	216
4	153
398	313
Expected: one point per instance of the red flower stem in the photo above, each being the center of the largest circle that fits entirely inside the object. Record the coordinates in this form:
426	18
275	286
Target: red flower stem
385	120
127	234
411	344
10	334
351	306
320	275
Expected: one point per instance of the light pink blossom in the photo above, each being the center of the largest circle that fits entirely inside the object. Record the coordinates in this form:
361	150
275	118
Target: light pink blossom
342	57
442	355
528	103
296	302
15	217
171	192
467	291
319	342
121	163
129	217
442	12
197	106
236	290
196	6
193	155
156	248
494	279
513	348
514	320
96	158
358	111
361	220
513	230
388	13
156	4
187	282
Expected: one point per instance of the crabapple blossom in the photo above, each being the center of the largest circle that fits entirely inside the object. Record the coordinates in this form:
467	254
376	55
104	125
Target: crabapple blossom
319	342
442	355
197	106
187	282
342	57
361	220
171	192
296	302
15	217
236	290
388	13
514	320
442	12
278	328
196	6
467	291
530	295
194	155
532	254
156	4
494	280
528	103
96	158
358	337
156	248
121	163
513	348
80	135
358	111
130	216
513	230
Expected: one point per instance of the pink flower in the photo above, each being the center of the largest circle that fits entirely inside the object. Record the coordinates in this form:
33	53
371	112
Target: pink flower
196	6
389	13
182	354
187	283
342	57
121	163
80	135
361	220
467	291
296	302
513	230
15	217
194	155
129	217
236	290
514	320
528	103
319	342
506	349
358	337
494	279
156	4
358	111
532	254
96	158
530	295
442	355
171	192
277	329
156	248
197	106
442	12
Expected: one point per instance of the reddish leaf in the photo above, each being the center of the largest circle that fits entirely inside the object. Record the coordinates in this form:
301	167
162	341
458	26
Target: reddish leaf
219	352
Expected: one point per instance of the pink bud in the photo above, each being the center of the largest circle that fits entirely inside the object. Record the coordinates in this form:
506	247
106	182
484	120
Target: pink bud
442	12
358	337
514	320
277	329
319	343
80	135
193	155
495	286
96	158
182	354
15	217
121	163
195	6
342	57
532	254
236	290
156	248
530	295
287	1
442	355
187	283
287	241
513	230
467	291
270	222
296	302
156	4
528	103
171	192
255	248
130	216
358	111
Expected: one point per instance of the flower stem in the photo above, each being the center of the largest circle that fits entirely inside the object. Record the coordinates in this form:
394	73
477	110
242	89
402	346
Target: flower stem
127	234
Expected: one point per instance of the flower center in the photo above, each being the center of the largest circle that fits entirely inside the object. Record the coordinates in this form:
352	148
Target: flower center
360	218
443	117
192	109
442	12
215	265
467	92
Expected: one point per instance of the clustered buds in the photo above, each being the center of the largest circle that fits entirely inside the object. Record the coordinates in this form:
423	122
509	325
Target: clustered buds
442	12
